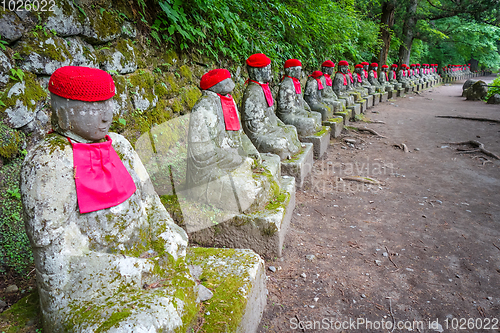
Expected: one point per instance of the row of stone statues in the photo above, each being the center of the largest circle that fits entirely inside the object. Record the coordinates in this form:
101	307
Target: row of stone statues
100	234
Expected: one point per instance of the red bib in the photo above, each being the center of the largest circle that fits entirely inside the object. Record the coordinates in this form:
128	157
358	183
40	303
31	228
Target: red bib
375	74
296	84
350	77
320	85
366	74
328	80
102	181
360	80
394	75
267	92
229	110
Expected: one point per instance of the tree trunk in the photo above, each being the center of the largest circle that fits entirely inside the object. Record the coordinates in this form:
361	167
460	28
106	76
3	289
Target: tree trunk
408	33
386	24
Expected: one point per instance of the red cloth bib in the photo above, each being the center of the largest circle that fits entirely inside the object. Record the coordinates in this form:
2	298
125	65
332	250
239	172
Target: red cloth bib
360	80
267	92
350	77
386	76
229	110
375	74
320	85
102	181
393	75
328	80
366	74
296	84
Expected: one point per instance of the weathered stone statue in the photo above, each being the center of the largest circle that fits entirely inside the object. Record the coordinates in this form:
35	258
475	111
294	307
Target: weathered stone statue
373	77
328	95
384	79
342	83
371	89
360	81
292	109
266	131
220	155
393	78
313	95
100	234
403	76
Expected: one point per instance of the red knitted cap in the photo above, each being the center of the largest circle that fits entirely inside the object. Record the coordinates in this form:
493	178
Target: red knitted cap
292	63
343	63
412	65
394	66
374	64
82	84
328	63
358	66
418	65
258	60
316	74
213	77
385	66
364	63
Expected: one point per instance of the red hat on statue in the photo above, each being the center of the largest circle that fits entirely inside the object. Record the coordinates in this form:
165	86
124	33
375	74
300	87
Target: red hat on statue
343	63
364	63
328	63
213	77
258	60
316	74
394	66
82	84
374	64
292	63
385	66
359	66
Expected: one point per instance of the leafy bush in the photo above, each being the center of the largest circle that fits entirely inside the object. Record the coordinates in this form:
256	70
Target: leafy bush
494	87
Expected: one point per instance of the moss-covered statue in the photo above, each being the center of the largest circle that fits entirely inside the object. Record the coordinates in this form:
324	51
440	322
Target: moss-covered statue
384	79
364	77
342	82
393	77
292	109
328	95
373	77
260	123
108	257
313	95
403	76
220	155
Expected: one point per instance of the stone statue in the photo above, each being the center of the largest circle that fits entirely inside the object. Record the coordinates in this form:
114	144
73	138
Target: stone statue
373	77
342	82
364	77
266	131
328	95
384	79
393	78
217	147
292	109
403	76
100	234
313	95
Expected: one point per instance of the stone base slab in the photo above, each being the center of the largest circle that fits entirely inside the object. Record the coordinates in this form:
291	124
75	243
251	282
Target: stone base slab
346	115
363	105
355	110
383	97
223	270
376	99
392	94
336	125
369	101
300	165
262	231
400	92
320	141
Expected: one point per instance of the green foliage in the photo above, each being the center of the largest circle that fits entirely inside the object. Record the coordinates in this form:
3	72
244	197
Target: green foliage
234	29
3	43
494	87
17	74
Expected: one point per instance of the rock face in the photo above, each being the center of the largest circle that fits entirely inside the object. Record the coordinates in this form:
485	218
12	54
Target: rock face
5	67
114	260
11	26
467	84
477	91
494	99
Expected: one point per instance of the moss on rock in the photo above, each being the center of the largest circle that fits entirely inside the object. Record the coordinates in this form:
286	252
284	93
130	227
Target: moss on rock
10	142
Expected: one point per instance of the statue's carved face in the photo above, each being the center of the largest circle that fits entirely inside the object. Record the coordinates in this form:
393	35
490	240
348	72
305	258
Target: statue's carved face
358	70
343	69
384	69
365	67
224	87
294	71
374	68
327	70
260	74
78	120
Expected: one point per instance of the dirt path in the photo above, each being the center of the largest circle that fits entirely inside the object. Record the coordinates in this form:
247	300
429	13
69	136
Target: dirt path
424	245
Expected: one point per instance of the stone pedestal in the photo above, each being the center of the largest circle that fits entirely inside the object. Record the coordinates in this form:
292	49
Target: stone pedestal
400	92
355	110
346	115
320	141
362	103
369	101
336	125
376	99
383	97
300	165
262	231
392	94
237	279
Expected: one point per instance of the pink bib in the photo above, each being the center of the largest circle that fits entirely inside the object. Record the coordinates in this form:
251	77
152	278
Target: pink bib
375	74
267	92
296	84
229	110
359	78
328	80
101	179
